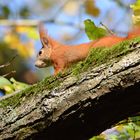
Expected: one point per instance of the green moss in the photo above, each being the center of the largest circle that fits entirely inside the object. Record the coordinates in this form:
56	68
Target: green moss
48	83
101	55
96	57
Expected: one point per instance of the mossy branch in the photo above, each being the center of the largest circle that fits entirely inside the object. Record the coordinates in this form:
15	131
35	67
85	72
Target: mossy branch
90	97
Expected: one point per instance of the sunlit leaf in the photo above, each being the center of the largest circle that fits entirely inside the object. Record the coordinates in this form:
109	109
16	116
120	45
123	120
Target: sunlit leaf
136	12
30	31
4	81
8	89
6	85
93	32
25	49
136	5
12	85
18	85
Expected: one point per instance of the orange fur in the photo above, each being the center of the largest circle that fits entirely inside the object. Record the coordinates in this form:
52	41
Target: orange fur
61	56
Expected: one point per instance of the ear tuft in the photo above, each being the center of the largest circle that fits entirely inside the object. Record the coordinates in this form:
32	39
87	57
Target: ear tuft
42	31
45	40
43	34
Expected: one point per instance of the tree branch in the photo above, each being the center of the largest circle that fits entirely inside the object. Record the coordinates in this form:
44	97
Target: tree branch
74	107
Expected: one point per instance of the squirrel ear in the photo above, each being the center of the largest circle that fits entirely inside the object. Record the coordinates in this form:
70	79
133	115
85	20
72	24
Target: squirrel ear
43	34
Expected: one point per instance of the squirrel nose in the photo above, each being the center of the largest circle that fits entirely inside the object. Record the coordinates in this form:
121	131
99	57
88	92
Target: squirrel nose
37	63
40	64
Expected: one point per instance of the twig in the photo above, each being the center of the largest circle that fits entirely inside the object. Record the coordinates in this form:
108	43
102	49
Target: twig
8	63
34	23
12	72
20	22
109	31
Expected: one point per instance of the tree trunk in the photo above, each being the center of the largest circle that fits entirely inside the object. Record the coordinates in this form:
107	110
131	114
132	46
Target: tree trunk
74	107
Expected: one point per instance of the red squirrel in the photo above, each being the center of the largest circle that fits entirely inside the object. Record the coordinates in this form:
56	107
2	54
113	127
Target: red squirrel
61	56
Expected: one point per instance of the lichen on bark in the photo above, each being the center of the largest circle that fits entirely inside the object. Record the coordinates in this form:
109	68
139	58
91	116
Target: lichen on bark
63	104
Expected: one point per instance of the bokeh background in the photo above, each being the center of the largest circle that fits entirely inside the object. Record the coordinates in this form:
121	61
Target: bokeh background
63	20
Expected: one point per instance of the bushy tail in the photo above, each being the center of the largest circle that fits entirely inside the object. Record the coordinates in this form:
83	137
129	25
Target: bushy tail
134	33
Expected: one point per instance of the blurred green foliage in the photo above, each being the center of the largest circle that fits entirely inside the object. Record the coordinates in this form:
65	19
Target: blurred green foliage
24	12
5	12
128	129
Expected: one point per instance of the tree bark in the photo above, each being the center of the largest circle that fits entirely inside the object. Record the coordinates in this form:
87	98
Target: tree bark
79	107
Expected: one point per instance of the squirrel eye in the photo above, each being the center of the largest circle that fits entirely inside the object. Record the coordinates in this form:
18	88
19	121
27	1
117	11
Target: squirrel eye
40	52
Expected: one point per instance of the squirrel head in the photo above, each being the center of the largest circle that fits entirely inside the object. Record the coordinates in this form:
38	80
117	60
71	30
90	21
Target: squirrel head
43	57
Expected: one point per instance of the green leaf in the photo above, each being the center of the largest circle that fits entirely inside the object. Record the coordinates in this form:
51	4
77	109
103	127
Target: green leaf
6	85
18	85
4	81
93	32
